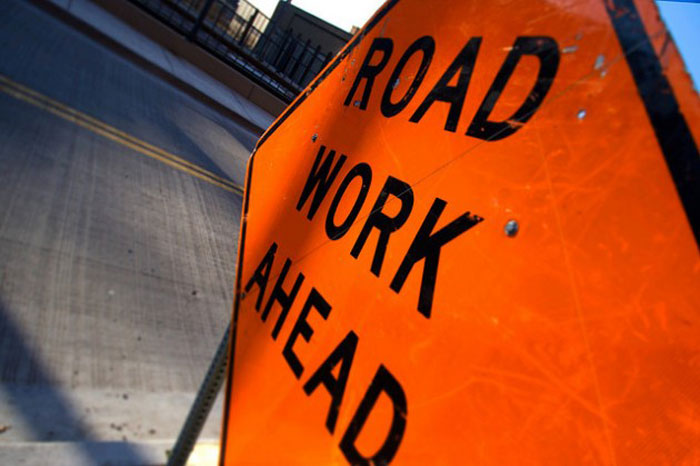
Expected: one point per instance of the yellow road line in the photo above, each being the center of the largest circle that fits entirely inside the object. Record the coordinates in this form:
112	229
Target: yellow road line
70	111
59	109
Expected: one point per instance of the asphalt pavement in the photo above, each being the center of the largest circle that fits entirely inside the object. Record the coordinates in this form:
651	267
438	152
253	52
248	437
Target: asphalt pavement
119	211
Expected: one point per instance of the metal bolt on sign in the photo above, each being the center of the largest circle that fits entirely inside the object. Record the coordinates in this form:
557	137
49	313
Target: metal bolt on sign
511	228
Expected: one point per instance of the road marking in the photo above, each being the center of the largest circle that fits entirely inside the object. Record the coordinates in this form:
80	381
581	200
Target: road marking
61	110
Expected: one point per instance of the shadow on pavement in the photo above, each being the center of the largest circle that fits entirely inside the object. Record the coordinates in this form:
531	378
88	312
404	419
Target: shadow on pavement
51	407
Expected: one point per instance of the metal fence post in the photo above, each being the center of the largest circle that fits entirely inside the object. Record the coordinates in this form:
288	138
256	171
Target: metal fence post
217	27
299	59
282	48
200	19
289	52
264	41
313	58
202	405
248	25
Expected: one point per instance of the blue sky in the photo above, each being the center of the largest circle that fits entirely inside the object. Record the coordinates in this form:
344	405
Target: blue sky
683	20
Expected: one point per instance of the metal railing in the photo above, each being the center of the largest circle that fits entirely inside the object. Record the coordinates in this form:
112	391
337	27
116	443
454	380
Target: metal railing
243	37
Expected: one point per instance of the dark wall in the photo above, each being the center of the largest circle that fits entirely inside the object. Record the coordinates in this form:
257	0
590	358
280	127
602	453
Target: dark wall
309	27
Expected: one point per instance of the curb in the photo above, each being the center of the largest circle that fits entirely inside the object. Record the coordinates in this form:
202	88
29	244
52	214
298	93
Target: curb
104	453
85	453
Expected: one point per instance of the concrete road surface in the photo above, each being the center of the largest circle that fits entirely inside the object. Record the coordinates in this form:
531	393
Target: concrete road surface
119	213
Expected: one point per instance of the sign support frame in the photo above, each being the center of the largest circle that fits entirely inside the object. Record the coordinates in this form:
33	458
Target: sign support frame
202	404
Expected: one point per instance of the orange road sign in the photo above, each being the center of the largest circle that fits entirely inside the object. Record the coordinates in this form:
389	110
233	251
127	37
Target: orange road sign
473	240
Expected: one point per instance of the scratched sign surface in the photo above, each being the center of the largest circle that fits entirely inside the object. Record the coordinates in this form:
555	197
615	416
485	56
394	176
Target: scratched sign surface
473	240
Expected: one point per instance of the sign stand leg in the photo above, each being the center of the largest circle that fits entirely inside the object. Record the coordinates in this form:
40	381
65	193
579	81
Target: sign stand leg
201	406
